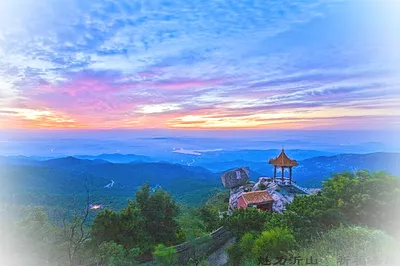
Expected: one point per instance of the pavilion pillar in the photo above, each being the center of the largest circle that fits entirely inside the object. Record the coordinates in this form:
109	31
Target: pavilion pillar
283	161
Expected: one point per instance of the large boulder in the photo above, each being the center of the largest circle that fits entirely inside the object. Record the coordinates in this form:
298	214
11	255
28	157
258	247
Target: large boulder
236	177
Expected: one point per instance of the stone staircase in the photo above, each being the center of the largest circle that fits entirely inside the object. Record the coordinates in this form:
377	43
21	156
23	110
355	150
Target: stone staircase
302	189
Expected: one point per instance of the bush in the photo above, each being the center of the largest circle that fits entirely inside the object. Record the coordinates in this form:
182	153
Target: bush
138	224
256	249
113	254
197	262
307	216
192	225
209	214
165	256
273	244
262	186
366	198
242	221
353	245
240	252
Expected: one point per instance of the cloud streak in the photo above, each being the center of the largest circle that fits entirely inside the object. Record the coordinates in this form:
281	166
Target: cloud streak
186	64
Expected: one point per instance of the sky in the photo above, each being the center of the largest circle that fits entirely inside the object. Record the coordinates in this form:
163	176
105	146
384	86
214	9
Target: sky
199	64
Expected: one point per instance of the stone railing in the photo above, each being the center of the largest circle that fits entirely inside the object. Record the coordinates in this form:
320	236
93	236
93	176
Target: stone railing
202	246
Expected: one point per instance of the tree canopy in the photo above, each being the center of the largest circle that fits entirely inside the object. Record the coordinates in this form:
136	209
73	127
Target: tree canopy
350	207
355	213
148	220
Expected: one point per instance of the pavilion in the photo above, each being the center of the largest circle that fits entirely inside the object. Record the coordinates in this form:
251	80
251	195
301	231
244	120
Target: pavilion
283	162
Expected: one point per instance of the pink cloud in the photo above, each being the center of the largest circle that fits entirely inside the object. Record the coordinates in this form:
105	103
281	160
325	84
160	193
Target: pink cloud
85	85
95	99
185	84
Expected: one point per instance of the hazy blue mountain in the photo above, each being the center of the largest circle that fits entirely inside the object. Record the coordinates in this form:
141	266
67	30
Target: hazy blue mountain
218	161
226	165
215	160
71	163
117	158
311	172
253	155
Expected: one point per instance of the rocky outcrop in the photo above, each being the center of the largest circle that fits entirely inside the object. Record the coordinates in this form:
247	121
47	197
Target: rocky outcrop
236	192
282	195
264	183
280	200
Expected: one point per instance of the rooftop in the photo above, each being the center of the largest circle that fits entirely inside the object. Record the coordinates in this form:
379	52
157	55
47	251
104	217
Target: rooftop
283	160
257	197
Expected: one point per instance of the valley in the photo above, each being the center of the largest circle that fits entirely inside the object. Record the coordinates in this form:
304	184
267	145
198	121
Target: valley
30	181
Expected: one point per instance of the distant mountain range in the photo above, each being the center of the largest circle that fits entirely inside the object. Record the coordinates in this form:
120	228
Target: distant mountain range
214	160
202	157
61	177
117	158
312	171
46	180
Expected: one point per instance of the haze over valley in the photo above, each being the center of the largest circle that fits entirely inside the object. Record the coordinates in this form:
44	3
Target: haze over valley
187	165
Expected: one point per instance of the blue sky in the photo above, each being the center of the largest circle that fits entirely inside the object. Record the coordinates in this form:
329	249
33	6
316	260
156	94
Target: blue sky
199	64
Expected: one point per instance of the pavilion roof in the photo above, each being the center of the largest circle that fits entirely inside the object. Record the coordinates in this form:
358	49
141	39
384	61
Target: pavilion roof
257	197
283	160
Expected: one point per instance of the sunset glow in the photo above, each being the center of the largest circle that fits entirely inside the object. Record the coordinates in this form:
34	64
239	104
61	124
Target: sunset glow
225	64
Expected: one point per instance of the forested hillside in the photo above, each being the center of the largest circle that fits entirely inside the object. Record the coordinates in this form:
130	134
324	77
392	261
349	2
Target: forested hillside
60	180
351	221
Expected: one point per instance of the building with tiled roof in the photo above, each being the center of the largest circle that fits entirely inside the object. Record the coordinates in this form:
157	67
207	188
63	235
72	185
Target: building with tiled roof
262	200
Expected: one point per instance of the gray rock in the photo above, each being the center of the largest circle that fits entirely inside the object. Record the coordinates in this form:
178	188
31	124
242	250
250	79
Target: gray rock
234	195
280	201
236	177
236	192
267	182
